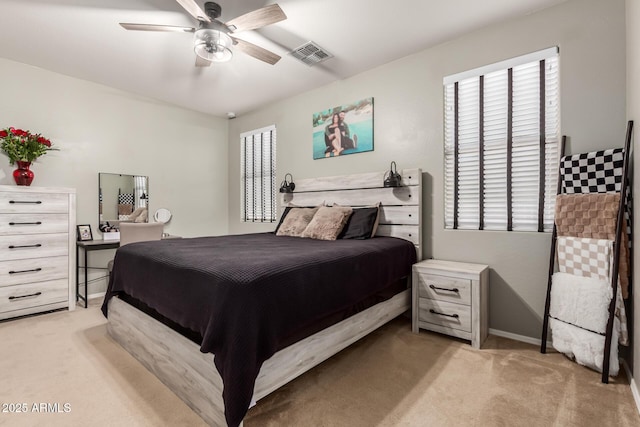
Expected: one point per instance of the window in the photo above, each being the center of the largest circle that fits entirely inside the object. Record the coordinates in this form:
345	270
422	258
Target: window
258	170
501	134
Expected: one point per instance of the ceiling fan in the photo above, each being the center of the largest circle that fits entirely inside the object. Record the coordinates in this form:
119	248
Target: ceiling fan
213	38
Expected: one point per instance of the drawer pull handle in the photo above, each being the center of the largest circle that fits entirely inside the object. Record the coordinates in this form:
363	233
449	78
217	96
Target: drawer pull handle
25	296
37	245
456	290
25	271
35	202
26	223
432	311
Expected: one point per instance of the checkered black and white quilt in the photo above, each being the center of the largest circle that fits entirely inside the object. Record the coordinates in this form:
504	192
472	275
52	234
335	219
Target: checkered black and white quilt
595	172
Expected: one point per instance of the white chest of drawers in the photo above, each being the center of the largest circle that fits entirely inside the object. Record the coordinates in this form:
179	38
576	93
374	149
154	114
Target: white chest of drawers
451	298
37	232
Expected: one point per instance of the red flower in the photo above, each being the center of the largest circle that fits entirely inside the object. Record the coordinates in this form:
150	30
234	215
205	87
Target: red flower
44	141
23	145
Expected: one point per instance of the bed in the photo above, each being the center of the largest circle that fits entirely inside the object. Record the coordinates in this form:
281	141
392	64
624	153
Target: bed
276	305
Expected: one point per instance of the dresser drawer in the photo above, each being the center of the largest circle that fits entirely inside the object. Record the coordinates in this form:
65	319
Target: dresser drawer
33	270
32	295
33	246
446	314
19	223
451	289
30	202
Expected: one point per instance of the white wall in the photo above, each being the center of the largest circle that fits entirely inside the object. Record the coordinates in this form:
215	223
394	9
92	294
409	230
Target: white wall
99	129
408	97
633	113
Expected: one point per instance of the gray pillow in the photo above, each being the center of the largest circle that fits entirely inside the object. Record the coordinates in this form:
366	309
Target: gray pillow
296	222
327	223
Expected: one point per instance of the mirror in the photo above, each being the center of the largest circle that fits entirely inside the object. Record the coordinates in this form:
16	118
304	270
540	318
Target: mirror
122	198
162	215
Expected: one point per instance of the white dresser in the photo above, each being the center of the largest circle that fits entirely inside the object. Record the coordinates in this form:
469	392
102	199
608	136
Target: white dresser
451	298
37	234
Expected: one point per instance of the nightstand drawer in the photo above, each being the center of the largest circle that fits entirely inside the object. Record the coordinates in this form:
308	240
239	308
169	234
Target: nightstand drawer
443	288
32	295
445	314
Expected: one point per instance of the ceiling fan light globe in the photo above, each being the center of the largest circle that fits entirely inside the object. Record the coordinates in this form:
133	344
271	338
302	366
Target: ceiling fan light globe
212	52
213	45
223	55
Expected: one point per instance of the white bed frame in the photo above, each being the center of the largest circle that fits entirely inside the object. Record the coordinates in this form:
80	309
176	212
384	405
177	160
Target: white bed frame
191	375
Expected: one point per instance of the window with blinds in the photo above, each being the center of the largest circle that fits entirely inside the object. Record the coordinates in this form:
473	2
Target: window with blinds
501	139
258	175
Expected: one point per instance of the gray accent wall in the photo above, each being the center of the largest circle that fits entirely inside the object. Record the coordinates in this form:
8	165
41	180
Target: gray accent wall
408	98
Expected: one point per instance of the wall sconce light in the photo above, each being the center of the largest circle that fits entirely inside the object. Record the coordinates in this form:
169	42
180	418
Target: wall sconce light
287	186
392	178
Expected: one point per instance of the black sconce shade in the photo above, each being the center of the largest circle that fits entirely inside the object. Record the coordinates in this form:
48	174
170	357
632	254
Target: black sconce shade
287	186
392	178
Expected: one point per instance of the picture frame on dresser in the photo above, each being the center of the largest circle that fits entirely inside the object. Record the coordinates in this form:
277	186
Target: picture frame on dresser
84	233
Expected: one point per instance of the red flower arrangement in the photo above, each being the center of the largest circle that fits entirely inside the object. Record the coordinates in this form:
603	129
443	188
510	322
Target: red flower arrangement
22	145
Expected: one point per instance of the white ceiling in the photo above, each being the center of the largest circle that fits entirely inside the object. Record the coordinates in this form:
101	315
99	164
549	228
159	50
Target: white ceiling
82	39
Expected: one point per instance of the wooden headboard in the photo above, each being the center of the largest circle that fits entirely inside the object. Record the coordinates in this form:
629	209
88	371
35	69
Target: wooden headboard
401	207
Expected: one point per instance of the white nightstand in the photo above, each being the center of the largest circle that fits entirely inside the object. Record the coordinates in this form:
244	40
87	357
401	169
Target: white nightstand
451	298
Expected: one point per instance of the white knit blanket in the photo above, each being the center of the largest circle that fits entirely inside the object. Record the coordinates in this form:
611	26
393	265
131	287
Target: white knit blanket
585	347
580	311
592	258
581	301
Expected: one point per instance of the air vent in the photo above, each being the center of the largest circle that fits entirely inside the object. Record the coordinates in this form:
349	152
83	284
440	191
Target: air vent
310	53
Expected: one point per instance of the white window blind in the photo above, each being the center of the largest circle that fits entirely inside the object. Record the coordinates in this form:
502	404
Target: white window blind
258	175
501	134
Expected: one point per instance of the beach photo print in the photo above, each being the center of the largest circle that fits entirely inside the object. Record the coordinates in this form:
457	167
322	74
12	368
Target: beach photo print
342	130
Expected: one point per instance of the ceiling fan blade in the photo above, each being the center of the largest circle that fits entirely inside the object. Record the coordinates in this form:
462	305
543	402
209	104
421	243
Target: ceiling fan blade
152	27
194	10
257	19
256	51
201	62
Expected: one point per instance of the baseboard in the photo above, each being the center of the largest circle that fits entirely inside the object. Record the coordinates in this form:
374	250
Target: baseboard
97	295
516	337
632	383
97	284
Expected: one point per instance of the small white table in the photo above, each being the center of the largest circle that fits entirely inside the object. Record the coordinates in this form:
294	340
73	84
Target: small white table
451	298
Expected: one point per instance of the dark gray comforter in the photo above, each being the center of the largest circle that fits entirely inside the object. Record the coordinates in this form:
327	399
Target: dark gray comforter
246	294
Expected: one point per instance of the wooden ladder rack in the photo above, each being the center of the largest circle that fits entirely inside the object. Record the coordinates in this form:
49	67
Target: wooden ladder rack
614	267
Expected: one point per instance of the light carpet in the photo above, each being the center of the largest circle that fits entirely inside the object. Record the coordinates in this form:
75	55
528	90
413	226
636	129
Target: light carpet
68	362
